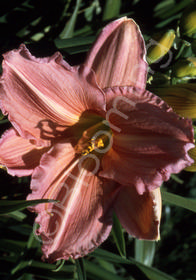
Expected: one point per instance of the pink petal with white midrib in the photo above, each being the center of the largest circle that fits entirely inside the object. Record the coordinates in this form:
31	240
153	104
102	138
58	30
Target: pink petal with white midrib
80	221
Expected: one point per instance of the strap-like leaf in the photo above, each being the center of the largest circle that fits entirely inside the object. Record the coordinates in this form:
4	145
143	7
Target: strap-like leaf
144	251
150	272
7	206
80	269
187	203
117	233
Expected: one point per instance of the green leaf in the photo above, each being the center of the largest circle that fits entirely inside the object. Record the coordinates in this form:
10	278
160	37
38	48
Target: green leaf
177	200
26	277
21	265
152	273
59	265
80	269
49	266
3	121
70	25
107	265
32	241
1	116
94	7
99	273
111	9
24	260
43	270
144	251
22	229
118	236
168	8
17	215
7	206
74	42
177	179
13	246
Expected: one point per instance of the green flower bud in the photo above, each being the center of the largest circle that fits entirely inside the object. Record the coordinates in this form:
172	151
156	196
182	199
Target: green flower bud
185	68
188	21
156	49
192	154
181	97
159	79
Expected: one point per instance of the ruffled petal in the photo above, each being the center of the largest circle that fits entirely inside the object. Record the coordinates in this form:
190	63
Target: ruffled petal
149	140
19	155
45	95
118	55
139	214
79	222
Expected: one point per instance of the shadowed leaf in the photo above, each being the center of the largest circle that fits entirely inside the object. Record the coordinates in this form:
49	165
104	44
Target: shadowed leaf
7	206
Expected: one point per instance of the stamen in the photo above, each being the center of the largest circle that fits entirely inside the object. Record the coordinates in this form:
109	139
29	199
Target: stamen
49	213
98	143
90	146
94	138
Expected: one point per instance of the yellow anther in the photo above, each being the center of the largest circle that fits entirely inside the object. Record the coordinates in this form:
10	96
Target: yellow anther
93	144
94	139
98	143
88	150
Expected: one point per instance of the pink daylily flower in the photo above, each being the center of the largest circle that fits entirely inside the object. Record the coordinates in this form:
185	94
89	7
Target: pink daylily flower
92	138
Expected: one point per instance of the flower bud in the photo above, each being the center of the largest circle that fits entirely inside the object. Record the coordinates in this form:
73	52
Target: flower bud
156	49
181	97
188	21
192	154
159	79
185	68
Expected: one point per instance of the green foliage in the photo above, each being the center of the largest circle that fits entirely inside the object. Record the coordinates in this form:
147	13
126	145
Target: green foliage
180	201
145	251
7	206
118	236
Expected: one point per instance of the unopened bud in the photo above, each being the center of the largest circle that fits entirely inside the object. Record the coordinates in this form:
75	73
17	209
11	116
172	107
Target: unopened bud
156	49
159	79
185	68
188	21
181	97
192	154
